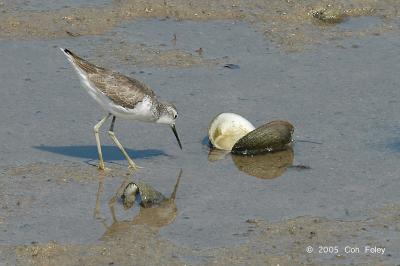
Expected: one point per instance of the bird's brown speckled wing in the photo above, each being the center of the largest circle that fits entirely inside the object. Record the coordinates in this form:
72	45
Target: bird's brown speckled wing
122	90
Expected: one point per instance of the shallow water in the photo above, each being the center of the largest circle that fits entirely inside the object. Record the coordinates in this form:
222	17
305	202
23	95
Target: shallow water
34	5
342	94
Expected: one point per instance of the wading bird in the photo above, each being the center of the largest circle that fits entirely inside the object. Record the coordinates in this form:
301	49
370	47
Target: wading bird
121	96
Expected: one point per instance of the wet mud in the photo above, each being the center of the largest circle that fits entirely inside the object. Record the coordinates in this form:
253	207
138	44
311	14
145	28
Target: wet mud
333	74
290	24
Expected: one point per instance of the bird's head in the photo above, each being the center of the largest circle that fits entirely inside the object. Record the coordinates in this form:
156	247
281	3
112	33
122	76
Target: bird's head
168	115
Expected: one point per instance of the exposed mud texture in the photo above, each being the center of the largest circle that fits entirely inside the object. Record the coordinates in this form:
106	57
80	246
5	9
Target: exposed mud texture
137	239
337	187
291	24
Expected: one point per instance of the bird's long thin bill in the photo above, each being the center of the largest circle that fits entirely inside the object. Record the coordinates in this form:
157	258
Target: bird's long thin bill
176	135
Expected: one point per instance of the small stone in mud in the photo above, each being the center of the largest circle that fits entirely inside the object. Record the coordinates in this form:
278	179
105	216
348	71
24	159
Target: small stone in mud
199	51
329	14
301	167
174	39
72	34
232	66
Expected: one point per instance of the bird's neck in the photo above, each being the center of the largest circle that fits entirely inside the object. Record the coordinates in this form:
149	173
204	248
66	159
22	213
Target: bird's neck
157	109
161	114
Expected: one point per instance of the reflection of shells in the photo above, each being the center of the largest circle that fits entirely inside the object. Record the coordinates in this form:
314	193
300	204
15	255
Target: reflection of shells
216	155
159	216
266	166
270	137
227	128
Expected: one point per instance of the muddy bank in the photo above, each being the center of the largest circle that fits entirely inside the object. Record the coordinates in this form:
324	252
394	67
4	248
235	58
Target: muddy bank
350	115
131	238
283	243
340	96
288	23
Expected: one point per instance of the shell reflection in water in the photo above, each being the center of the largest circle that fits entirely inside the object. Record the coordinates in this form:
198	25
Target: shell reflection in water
226	129
216	155
265	166
156	210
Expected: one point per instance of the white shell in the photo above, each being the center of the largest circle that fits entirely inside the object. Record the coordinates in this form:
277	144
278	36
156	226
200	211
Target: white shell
226	129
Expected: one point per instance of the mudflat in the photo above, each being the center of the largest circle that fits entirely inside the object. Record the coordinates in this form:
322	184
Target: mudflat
336	81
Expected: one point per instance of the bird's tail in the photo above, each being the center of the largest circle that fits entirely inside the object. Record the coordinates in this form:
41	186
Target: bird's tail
80	63
68	54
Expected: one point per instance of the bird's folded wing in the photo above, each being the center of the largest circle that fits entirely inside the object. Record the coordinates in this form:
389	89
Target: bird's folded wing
121	89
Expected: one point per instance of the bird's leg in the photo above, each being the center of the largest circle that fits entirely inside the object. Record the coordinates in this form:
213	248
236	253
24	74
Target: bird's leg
131	163
96	134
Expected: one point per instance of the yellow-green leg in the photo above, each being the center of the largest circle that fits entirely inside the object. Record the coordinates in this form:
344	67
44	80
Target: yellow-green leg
132	164
96	134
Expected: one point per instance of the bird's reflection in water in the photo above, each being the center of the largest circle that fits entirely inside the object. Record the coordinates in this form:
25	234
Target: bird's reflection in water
265	166
156	210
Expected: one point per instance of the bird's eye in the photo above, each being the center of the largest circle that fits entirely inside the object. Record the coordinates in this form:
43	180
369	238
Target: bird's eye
175	116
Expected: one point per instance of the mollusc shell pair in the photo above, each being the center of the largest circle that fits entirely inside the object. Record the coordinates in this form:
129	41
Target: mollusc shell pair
234	133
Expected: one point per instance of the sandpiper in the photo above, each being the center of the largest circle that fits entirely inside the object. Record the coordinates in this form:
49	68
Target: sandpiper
121	96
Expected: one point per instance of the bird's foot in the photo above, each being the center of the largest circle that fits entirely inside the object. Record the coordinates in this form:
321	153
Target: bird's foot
133	166
102	167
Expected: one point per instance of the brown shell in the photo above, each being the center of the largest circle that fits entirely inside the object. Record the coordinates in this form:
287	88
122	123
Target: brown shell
273	136
265	166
